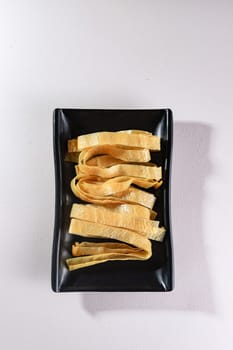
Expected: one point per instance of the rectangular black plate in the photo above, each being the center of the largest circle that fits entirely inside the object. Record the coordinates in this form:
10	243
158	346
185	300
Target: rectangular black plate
154	274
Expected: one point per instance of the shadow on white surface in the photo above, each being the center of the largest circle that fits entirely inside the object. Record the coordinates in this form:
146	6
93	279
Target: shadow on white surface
193	289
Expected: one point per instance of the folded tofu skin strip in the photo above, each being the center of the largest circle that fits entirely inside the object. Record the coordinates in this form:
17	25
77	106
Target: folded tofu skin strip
113	175
128	139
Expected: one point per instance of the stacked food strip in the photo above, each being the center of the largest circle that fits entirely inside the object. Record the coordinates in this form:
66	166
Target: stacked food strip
109	164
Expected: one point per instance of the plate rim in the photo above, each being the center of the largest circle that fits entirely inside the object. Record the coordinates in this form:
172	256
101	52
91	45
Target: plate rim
56	244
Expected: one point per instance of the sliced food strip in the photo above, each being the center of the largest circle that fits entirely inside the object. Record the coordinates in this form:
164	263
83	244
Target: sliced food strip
72	145
110	245
78	249
158	236
104	161
149	171
135	131
130	209
95	230
124	154
105	216
140	251
116	185
132	196
139	140
72	157
141	197
90	260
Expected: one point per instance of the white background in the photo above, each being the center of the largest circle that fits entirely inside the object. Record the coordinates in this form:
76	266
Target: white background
133	54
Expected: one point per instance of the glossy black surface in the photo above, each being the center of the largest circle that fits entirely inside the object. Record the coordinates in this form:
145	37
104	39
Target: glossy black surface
154	274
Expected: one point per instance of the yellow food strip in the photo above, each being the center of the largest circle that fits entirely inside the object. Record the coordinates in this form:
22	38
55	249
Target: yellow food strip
142	250
95	230
140	197
91	253
140	140
78	263
144	171
90	260
130	209
127	155
158	236
105	216
110	245
133	131
72	157
80	250
116	185
132	196
104	161
72	145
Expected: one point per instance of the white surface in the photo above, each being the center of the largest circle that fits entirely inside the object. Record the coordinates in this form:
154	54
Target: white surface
175	54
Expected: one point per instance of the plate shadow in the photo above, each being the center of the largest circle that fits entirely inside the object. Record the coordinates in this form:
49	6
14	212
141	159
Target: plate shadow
191	167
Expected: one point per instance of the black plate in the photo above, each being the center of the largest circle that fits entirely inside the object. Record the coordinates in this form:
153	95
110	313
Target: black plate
154	274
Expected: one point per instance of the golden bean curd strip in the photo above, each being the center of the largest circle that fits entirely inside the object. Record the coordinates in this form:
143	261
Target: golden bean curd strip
105	216
104	161
90	260
130	209
72	146
143	171
132	196
141	140
158	236
127	155
110	245
116	185
95	230
79	250
134	131
72	157
139	196
89	229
